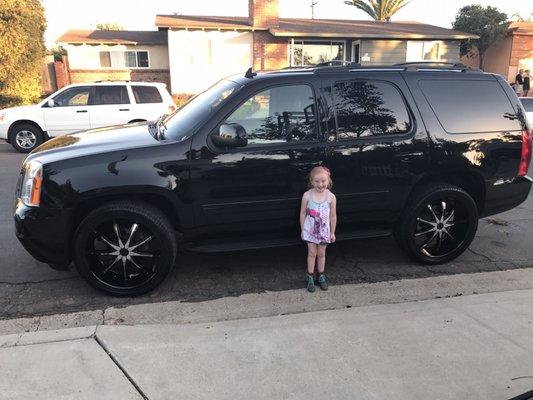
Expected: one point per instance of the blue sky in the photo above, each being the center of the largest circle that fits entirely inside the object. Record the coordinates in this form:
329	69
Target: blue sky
140	14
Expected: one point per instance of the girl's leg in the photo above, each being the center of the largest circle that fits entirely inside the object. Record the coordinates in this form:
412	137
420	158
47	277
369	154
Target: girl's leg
321	258
311	257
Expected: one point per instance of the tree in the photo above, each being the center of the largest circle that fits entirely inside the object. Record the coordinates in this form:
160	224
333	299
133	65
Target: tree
22	50
109	27
519	18
380	10
489	23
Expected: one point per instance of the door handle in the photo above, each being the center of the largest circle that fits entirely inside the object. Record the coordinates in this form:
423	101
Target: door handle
124	109
81	111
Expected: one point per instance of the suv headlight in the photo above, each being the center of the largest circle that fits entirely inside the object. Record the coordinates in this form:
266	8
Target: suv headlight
30	192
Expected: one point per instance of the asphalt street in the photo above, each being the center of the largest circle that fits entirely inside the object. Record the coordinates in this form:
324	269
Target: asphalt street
29	288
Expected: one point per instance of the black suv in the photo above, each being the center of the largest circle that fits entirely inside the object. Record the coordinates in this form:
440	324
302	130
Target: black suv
418	151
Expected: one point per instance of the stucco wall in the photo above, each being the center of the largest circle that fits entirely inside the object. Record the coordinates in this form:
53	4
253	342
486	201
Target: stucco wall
88	57
198	59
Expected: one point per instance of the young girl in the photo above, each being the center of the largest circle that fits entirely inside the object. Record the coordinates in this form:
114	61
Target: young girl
318	219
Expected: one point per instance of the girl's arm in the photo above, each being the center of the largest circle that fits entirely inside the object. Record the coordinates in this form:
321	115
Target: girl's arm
333	217
303	209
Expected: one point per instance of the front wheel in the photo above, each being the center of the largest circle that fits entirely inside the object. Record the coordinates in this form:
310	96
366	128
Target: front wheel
25	137
438	224
125	248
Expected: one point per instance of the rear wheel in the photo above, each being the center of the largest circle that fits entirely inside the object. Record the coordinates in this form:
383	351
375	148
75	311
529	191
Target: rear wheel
125	248
25	137
438	224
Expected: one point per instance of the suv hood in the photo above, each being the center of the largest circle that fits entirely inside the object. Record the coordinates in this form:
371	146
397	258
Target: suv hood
94	141
22	110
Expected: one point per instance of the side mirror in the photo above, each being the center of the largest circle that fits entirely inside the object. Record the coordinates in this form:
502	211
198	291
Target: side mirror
230	135
51	103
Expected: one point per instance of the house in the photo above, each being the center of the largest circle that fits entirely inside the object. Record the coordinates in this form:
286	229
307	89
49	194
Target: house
203	49
509	54
115	55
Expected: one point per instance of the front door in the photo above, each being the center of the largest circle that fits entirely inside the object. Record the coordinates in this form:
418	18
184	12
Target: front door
70	112
377	146
257	189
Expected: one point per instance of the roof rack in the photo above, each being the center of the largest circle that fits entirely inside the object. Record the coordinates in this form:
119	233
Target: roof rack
111	80
423	65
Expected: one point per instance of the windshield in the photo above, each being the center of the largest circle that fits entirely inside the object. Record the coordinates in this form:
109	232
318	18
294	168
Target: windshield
179	125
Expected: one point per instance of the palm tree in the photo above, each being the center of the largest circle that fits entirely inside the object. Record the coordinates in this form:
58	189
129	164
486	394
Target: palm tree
380	10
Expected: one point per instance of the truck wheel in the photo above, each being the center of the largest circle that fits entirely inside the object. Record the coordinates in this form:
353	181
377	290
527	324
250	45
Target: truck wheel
125	248
25	137
438	224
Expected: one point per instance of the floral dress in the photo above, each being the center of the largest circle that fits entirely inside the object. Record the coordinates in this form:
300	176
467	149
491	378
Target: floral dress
316	224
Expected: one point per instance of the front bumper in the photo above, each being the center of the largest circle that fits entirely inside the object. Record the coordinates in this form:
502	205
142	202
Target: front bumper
44	233
503	195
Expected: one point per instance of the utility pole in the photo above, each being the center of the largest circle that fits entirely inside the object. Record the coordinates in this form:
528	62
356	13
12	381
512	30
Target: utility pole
313	4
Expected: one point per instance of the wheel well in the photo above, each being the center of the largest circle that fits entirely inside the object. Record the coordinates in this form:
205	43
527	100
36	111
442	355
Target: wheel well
470	182
25	121
136	120
160	202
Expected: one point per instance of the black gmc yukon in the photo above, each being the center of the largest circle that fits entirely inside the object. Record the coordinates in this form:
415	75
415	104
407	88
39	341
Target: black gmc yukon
417	151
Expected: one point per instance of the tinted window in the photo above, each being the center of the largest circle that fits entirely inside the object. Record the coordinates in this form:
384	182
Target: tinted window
528	104
146	94
105	95
277	115
369	108
467	106
78	96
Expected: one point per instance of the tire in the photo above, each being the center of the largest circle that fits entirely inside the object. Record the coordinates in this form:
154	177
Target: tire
438	224
107	239
25	137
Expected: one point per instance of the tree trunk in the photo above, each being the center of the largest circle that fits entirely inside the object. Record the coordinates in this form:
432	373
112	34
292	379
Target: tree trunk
481	61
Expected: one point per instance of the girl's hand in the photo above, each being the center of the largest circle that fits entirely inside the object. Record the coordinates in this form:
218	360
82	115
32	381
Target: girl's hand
332	238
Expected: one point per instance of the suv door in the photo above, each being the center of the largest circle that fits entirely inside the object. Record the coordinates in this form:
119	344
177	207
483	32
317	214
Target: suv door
377	145
257	188
110	105
70	112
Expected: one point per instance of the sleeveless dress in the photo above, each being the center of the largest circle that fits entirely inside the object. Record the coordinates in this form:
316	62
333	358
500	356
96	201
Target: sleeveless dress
316	224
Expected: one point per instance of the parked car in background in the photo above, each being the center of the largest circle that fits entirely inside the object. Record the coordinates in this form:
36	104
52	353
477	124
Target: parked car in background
83	106
527	102
420	152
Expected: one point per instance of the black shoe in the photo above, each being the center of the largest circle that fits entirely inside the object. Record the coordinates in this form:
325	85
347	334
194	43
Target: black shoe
322	282
310	283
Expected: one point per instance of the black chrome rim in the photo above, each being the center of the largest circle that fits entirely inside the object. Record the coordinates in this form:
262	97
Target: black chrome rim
441	227
122	253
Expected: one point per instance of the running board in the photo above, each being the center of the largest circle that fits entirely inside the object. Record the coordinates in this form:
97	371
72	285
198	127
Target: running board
237	244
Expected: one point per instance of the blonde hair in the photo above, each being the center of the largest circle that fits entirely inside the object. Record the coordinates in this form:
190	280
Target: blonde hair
320	170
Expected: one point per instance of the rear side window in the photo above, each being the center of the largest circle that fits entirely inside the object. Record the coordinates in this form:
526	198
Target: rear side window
369	108
146	94
469	106
528	104
104	95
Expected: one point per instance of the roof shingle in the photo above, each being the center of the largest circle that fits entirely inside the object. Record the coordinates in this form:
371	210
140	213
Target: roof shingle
113	37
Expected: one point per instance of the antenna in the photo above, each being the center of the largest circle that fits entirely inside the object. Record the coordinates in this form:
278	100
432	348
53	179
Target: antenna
313	4
250	73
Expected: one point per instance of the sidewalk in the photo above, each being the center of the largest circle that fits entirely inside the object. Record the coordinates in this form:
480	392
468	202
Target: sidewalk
469	347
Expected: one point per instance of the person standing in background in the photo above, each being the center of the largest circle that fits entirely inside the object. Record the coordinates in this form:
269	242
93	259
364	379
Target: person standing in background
519	82
527	83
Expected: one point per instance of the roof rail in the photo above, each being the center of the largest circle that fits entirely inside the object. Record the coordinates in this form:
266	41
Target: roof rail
428	65
111	80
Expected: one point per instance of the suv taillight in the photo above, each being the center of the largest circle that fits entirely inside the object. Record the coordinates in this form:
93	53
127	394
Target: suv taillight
171	109
526	153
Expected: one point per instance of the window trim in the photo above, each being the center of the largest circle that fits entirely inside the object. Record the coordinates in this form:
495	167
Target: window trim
372	138
255	147
124	55
290	53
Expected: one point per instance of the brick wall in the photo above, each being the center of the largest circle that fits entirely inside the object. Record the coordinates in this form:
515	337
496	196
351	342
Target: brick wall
153	75
264	13
61	72
270	52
